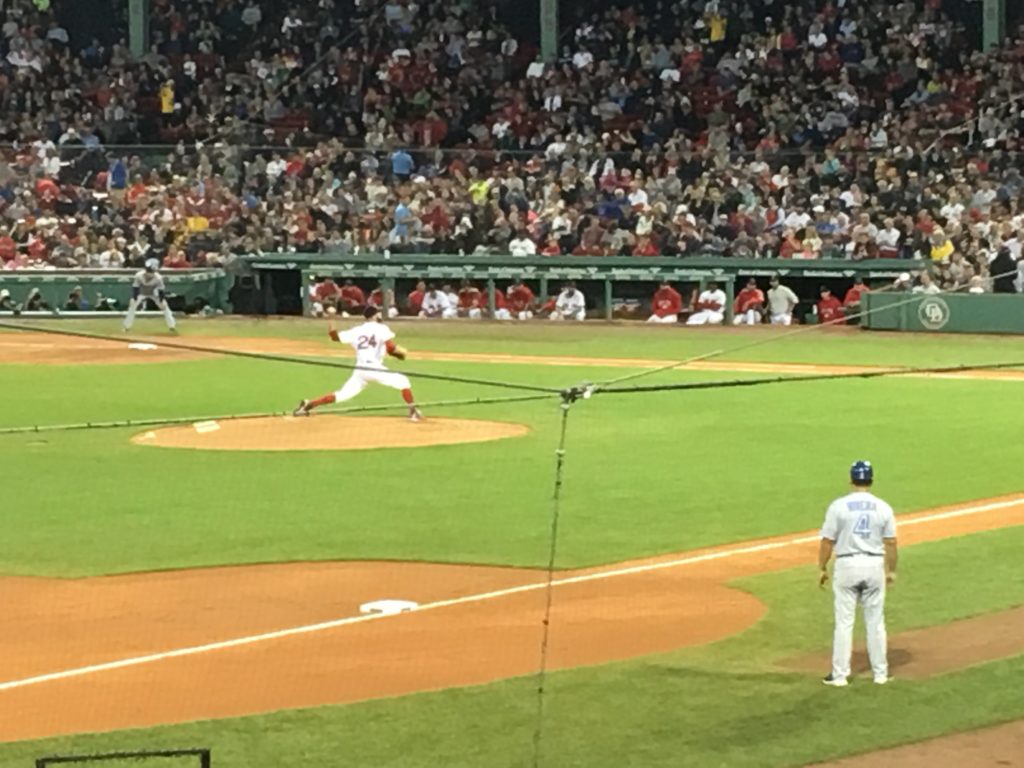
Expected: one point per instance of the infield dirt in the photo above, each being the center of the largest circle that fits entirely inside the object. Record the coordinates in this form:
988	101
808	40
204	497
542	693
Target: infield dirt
135	650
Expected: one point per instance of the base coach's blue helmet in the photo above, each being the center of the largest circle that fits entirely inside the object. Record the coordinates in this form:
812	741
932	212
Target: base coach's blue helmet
861	473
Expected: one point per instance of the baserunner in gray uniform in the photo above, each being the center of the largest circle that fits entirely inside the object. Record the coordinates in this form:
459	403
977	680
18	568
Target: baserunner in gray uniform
860	530
149	285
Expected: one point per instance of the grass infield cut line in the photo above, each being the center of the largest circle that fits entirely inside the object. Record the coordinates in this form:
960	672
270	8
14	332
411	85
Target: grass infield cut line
467	599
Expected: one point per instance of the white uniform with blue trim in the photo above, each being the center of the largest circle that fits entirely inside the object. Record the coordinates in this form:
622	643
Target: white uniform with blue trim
148	285
858	524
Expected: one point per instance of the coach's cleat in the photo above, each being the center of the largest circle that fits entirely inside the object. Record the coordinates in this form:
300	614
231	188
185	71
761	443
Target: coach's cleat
415	414
302	409
835	682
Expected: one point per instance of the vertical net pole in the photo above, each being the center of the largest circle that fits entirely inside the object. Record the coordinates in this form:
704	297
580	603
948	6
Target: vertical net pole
556	498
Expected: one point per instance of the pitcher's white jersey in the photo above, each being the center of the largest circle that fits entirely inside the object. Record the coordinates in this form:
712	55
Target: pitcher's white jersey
370	341
858	523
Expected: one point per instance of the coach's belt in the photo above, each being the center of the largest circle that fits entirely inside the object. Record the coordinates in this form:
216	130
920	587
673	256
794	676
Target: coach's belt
861	554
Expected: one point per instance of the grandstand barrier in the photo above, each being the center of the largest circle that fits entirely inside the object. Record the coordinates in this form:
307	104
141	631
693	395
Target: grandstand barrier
184	286
603	279
948	312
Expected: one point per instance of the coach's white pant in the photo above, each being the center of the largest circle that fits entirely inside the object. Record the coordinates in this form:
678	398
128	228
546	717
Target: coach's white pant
706	317
859	579
133	305
474	313
666	320
783	318
524	315
446	314
570	315
750	317
502	314
359	379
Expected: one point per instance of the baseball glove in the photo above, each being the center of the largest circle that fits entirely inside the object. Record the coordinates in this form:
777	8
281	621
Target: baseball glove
398	352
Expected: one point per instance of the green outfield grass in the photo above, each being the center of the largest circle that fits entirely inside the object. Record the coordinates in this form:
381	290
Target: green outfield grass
644	474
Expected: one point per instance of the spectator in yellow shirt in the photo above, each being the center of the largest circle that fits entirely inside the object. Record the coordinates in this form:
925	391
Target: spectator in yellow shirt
167	98
942	246
716	27
478	190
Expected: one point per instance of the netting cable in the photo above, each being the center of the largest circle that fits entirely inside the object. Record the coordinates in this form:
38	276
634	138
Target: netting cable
870	374
337	411
179	345
843	320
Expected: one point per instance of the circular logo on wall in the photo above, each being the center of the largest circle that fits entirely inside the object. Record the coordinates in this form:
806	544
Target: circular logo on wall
933	313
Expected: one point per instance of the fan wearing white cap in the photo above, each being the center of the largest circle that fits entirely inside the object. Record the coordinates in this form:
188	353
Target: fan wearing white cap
148	285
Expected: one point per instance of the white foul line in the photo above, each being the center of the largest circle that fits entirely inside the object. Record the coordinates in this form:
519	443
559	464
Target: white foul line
334	624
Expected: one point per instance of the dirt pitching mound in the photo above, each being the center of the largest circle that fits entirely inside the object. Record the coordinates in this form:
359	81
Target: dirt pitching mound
1002	745
327	433
933	651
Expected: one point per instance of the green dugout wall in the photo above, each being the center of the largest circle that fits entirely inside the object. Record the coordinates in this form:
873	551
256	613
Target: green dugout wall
210	284
948	313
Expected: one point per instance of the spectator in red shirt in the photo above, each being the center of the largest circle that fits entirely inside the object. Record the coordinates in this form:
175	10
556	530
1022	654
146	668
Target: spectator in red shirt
471	301
830	309
500	306
749	305
324	297
176	259
851	302
645	246
414	302
520	301
351	298
8	248
666	305
377	300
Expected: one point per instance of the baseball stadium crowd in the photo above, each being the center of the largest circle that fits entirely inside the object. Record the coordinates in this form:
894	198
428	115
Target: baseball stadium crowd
822	129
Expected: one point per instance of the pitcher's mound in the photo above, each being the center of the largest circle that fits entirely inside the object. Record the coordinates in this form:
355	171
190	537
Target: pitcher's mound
327	433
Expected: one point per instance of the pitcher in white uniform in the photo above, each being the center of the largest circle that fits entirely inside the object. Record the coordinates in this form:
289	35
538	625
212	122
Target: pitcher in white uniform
860	530
371	340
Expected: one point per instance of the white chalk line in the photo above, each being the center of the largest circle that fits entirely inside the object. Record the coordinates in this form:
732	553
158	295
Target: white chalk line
467	599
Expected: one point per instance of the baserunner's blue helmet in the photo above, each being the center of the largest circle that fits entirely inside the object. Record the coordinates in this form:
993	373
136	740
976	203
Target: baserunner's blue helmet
862	473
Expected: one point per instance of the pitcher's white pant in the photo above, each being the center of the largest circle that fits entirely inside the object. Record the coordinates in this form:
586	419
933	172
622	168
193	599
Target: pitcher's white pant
667	319
750	317
359	379
578	315
133	305
783	318
859	579
706	317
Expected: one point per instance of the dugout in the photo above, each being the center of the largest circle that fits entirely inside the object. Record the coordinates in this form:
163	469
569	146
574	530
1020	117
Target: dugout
607	282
